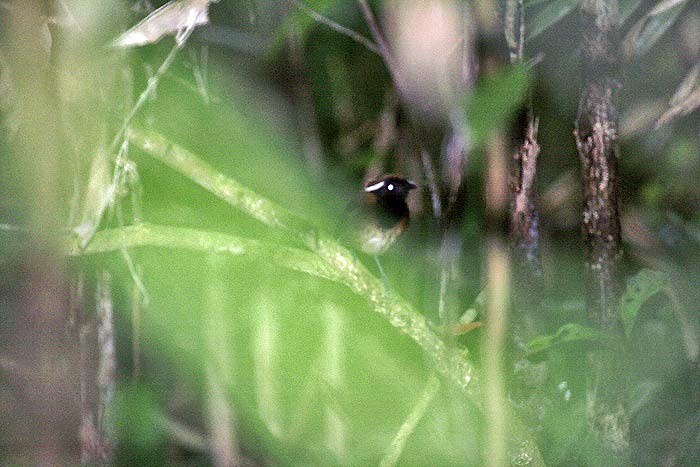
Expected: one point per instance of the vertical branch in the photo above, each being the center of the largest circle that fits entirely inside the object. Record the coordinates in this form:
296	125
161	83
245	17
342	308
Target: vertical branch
218	363
498	295
528	282
596	135
97	378
106	384
525	219
496	402
137	299
524	215
596	139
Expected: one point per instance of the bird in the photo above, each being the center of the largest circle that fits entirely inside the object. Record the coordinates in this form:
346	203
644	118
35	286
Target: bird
381	216
384	213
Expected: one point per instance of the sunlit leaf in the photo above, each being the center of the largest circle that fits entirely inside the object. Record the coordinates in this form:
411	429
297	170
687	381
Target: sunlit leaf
548	16
174	17
495	99
640	288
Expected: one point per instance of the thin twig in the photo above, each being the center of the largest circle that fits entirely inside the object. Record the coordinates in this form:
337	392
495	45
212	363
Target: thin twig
183	434
153	81
384	49
121	173
432	183
359	38
223	442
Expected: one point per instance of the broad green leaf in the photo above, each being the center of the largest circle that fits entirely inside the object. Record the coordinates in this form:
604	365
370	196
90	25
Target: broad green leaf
640	288
548	16
495	99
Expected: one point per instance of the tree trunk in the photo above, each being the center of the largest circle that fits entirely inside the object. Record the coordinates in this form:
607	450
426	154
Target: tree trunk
596	139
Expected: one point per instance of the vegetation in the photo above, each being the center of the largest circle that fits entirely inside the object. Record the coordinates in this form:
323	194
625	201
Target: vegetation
177	292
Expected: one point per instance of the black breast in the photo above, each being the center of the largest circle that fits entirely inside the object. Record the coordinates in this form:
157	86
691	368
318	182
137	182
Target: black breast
390	211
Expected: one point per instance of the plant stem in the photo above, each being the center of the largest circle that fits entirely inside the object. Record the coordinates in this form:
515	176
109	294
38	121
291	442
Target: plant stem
330	261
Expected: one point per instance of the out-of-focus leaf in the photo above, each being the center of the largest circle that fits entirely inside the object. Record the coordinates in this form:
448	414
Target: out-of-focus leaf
494	100
549	16
540	344
174	17
640	288
570	332
627	7
686	98
99	194
531	3
299	20
652	26
137	418
474	309
687	85
641	116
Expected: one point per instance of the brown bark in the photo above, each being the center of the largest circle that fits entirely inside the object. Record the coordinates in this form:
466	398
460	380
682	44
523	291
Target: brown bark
525	218
596	139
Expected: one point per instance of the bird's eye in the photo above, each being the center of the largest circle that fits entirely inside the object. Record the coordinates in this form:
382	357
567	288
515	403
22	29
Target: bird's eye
390	187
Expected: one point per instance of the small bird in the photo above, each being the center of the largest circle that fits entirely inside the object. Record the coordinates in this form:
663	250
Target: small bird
384	213
382	216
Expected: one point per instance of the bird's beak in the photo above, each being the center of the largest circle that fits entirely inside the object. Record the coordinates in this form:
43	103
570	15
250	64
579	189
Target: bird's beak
411	185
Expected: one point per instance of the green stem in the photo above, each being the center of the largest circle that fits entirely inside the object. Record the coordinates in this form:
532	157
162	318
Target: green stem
409	426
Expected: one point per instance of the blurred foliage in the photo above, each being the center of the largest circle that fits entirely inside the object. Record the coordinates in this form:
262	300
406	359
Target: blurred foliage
640	288
300	113
494	101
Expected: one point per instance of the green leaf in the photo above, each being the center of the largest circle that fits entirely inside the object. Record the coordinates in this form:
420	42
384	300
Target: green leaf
540	344
548	16
568	333
494	100
640	288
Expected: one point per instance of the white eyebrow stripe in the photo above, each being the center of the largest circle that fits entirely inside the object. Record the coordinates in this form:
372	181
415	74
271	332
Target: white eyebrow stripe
374	187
